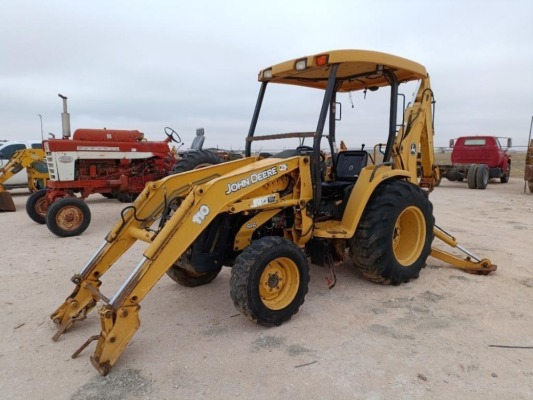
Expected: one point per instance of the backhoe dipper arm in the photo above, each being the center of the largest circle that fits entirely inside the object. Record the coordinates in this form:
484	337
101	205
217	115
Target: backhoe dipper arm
416	138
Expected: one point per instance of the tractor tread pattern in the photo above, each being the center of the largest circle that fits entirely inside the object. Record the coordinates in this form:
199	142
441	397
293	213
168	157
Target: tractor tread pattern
242	271
195	158
369	248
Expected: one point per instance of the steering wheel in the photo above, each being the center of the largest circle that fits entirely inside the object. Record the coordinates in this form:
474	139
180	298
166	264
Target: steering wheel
172	135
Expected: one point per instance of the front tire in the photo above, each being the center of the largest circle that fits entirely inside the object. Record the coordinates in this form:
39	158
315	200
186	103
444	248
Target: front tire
37	206
269	280
393	239
68	216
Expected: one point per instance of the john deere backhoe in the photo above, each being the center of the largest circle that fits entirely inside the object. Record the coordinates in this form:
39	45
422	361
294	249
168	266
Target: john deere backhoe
267	217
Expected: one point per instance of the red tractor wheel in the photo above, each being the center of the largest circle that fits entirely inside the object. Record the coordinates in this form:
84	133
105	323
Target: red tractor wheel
68	216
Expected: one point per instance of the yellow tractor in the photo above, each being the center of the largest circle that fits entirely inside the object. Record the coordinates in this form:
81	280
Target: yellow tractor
268	217
33	161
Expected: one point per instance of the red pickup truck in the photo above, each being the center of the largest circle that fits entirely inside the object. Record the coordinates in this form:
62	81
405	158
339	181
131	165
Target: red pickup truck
478	159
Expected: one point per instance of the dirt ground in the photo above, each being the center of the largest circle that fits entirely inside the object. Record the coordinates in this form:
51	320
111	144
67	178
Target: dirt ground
432	338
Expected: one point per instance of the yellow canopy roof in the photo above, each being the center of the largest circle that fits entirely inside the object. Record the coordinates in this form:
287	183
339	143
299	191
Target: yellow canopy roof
358	69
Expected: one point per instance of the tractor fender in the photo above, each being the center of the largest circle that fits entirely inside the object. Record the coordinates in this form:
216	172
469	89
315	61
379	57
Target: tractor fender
367	182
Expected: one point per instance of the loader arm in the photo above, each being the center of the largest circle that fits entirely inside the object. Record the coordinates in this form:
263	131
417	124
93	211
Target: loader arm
248	185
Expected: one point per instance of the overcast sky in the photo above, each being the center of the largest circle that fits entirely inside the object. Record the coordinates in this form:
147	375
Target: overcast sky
149	64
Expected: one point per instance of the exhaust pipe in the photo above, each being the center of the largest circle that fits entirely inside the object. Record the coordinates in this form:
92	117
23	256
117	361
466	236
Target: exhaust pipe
65	119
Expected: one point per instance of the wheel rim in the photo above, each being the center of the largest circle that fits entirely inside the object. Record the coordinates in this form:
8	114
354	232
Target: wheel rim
409	235
41	206
279	283
69	218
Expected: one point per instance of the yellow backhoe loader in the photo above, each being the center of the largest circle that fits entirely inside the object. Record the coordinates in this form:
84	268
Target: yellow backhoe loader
33	161
267	218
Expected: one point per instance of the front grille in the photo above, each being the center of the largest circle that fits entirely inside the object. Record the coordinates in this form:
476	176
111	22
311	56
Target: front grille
51	167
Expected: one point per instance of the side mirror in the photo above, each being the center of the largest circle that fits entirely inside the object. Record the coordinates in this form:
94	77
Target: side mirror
509	142
451	143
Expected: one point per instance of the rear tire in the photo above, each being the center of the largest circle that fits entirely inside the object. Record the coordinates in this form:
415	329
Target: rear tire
191	279
471	176
37	206
125	197
451	175
269	280
194	160
177	272
393	239
482	176
68	216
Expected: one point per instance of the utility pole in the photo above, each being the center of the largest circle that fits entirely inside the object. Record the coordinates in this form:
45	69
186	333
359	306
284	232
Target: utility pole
41	118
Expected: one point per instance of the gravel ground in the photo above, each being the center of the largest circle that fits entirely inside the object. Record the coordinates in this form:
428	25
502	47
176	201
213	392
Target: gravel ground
432	338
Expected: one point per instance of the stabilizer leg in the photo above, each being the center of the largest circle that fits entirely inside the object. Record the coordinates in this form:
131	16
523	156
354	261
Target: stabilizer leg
478	266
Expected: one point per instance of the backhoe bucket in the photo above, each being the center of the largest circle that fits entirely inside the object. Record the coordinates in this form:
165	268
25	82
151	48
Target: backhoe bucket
6	202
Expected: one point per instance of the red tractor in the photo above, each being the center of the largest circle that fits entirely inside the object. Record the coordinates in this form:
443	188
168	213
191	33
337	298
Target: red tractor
114	163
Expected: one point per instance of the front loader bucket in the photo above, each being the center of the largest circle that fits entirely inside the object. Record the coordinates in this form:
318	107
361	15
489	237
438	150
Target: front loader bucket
6	202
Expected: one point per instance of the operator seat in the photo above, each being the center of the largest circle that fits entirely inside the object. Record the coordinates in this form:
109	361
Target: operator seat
198	141
348	166
335	194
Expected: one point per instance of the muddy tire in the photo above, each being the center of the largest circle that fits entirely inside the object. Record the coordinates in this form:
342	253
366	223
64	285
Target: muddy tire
68	216
177	272
194	160
471	176
393	239
186	277
191	279
482	176
269	280
125	197
451	175
37	206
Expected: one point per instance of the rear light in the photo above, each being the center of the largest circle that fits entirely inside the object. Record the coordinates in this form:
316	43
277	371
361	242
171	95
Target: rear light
267	73
321	60
301	65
